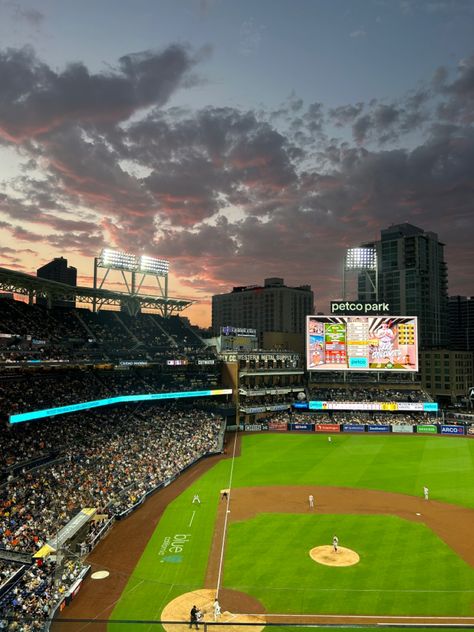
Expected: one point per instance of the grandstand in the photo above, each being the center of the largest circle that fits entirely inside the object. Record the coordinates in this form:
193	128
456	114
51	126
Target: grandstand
51	471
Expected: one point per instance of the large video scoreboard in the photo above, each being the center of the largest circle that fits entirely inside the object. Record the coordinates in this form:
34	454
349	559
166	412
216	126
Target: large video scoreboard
361	343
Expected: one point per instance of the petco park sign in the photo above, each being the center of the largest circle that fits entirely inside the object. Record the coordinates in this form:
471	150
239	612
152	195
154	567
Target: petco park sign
360	307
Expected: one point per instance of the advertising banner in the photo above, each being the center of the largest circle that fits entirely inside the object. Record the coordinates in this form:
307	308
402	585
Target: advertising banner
374	406
452	430
353	428
120	399
300	405
427	429
403	428
301	427
373	428
328	428
281	426
254	427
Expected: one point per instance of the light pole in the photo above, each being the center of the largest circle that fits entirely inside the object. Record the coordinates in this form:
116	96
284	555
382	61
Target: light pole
362	260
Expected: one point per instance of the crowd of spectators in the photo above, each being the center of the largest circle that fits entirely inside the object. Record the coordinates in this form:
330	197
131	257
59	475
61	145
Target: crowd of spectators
368	394
35	333
352	417
22	391
108	460
32	599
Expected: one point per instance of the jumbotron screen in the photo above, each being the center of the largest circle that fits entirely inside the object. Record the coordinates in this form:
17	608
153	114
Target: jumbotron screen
361	343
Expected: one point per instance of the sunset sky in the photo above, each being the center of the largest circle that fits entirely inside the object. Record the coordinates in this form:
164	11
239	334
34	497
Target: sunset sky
239	139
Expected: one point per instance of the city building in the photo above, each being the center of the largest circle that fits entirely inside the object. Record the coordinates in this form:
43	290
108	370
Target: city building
461	322
412	278
58	270
273	307
447	375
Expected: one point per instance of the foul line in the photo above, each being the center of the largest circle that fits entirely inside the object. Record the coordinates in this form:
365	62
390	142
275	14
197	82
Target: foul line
359	616
192	518
229	487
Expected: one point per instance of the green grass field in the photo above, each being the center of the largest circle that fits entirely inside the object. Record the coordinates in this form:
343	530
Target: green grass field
405	568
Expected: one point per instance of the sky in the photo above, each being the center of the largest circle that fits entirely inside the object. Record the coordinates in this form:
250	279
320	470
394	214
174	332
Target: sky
239	140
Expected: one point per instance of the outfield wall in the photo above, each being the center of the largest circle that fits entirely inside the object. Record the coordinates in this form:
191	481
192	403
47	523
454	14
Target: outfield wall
328	428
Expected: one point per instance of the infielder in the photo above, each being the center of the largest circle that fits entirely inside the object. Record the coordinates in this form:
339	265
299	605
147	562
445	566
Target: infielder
329	439
335	543
426	493
311	501
217	609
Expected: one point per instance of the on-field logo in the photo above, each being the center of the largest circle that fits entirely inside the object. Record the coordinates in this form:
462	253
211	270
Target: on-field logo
173	545
172	559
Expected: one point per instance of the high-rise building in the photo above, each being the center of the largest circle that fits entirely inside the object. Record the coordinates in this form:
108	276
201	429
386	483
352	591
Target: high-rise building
273	307
58	270
446	374
461	323
413	279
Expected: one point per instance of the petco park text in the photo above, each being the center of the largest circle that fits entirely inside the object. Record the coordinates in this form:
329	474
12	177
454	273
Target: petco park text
347	307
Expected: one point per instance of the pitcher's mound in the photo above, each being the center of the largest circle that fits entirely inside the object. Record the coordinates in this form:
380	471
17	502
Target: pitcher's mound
327	556
179	610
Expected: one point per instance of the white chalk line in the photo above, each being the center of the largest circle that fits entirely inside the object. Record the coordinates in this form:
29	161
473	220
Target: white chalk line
192	518
229	487
363	590
357	616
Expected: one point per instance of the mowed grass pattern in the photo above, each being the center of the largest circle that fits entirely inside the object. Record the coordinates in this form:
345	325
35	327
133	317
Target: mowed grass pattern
400	464
395	575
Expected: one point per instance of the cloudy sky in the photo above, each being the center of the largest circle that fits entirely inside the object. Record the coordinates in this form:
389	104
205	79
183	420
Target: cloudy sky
240	140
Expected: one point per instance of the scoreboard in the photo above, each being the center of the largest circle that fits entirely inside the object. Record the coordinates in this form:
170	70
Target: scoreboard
362	343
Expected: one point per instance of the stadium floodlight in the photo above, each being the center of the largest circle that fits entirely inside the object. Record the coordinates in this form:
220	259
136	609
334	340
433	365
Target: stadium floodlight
134	270
150	265
117	260
361	259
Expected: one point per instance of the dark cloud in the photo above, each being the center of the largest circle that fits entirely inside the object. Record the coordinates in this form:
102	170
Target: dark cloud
361	127
35	99
31	16
345	115
459	105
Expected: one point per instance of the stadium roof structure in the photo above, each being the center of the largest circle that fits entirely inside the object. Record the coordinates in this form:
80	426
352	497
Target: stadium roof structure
35	287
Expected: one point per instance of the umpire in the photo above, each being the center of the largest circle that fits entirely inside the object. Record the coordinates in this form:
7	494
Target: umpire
193	620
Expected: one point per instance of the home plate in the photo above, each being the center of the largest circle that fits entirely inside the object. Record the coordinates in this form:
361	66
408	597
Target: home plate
100	574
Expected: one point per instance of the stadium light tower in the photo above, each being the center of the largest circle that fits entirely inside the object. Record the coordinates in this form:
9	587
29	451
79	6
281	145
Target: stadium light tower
363	261
134	266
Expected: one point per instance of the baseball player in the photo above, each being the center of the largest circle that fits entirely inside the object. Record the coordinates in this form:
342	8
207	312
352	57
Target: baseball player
426	493
217	609
311	501
196	499
335	543
329	439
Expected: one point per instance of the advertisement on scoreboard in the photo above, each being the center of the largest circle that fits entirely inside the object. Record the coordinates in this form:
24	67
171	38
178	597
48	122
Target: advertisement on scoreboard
362	343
